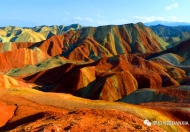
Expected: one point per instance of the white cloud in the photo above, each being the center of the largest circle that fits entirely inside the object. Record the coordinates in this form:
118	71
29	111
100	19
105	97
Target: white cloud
175	5
148	18
175	19
156	18
100	16
171	6
67	13
77	18
168	7
64	19
82	19
88	19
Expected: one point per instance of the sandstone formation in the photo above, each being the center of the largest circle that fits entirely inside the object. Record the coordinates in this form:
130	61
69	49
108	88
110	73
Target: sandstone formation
72	79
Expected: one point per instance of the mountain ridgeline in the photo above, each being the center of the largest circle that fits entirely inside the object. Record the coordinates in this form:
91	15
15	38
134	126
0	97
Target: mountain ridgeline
115	63
172	34
96	42
98	55
33	34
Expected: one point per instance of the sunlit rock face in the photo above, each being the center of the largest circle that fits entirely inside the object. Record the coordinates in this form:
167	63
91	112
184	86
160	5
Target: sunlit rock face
48	73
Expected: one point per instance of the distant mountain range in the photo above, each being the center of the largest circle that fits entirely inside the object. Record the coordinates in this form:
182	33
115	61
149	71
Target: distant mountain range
43	68
166	23
33	34
172	34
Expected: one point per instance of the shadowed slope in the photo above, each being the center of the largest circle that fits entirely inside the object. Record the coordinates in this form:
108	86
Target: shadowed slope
89	82
89	44
170	94
36	106
31	69
112	40
52	46
108	78
176	60
180	49
93	63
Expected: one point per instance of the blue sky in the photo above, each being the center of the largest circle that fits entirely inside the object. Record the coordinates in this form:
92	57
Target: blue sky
91	12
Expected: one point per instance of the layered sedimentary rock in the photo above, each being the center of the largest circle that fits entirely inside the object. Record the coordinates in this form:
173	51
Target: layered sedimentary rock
9	82
125	63
36	111
20	58
172	34
108	78
33	34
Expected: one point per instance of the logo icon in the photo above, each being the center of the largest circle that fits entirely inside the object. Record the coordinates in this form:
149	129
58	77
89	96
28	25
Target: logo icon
147	122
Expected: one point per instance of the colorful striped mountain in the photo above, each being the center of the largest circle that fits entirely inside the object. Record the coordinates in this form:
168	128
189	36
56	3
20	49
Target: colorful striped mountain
108	78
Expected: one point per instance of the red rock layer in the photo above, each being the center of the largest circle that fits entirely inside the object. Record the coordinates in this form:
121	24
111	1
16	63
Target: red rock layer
176	111
26	115
57	44
16	45
6	113
19	58
108	78
87	50
52	46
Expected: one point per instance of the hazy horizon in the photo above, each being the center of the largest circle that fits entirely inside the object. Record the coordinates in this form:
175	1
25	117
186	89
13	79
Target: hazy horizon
91	13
